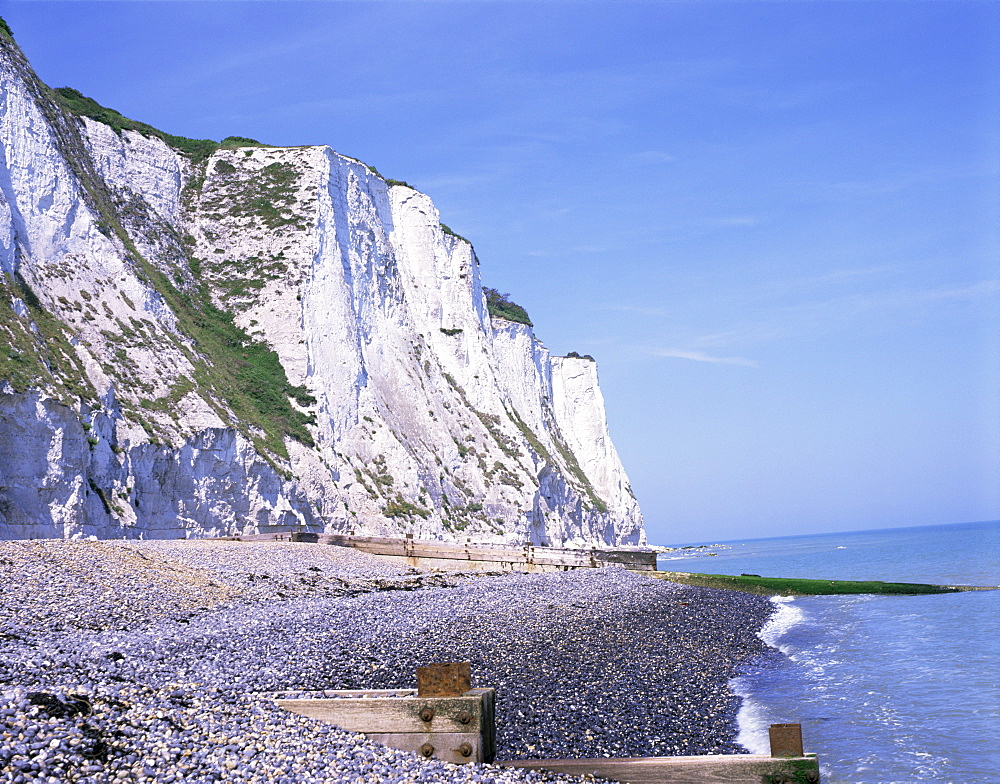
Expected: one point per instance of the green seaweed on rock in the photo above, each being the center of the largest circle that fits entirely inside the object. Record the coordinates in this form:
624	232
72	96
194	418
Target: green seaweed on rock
790	586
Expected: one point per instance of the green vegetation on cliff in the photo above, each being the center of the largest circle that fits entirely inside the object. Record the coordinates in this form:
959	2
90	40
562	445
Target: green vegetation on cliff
446	229
36	350
75	102
230	366
500	306
197	150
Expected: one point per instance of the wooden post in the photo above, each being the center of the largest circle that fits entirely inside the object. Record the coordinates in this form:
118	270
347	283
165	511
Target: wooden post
786	740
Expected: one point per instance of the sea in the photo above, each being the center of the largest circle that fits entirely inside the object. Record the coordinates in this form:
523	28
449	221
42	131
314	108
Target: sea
888	689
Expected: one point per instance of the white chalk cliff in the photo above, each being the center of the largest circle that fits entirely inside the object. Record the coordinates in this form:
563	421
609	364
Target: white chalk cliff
256	339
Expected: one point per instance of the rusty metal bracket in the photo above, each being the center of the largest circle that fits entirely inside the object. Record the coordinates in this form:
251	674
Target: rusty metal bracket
450	679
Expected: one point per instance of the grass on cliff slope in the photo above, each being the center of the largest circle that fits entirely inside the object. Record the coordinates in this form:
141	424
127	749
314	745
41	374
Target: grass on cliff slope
446	229
569	459
233	367
266	194
196	149
499	305
244	372
230	366
788	586
40	357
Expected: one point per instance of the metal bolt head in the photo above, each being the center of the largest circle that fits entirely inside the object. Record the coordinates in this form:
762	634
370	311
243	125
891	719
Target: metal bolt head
427	750
465	750
426	714
464	717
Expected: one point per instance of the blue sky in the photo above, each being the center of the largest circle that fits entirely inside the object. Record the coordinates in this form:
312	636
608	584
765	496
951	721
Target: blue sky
774	224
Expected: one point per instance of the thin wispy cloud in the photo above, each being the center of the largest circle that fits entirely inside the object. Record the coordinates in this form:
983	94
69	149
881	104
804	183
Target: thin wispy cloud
900	299
455	182
736	220
851	189
804	286
701	356
983	288
838	313
642	311
651	157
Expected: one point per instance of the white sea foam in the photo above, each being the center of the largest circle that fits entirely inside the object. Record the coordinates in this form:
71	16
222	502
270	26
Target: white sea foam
753	719
888	689
786	616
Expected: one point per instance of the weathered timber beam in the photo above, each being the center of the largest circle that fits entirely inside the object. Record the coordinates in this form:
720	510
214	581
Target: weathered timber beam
510	557
707	769
455	747
458	551
395	714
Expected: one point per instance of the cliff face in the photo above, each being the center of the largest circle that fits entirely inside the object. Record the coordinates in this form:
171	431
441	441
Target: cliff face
267	338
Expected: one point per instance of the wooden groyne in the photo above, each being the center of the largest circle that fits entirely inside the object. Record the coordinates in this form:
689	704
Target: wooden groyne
705	769
444	718
786	764
468	556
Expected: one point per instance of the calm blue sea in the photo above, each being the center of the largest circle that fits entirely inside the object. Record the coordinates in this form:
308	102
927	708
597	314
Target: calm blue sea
888	689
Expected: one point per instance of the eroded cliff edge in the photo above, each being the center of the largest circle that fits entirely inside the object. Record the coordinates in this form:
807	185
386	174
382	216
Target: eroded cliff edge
228	339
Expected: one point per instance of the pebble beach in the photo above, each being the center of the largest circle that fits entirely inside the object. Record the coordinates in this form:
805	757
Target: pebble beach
157	661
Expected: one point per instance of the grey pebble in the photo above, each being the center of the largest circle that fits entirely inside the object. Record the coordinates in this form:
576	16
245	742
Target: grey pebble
158	661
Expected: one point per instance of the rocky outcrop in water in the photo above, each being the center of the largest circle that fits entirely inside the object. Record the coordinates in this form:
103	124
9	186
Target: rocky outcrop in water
201	338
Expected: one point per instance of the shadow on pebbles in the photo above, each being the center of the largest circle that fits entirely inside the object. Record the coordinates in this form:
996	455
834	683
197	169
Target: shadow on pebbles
153	661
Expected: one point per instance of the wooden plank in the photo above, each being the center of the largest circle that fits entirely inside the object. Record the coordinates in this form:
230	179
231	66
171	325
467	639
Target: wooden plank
545	556
493	555
399	714
436	549
446	564
275	537
457	747
512	558
381	549
489	725
708	769
332	694
631	559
